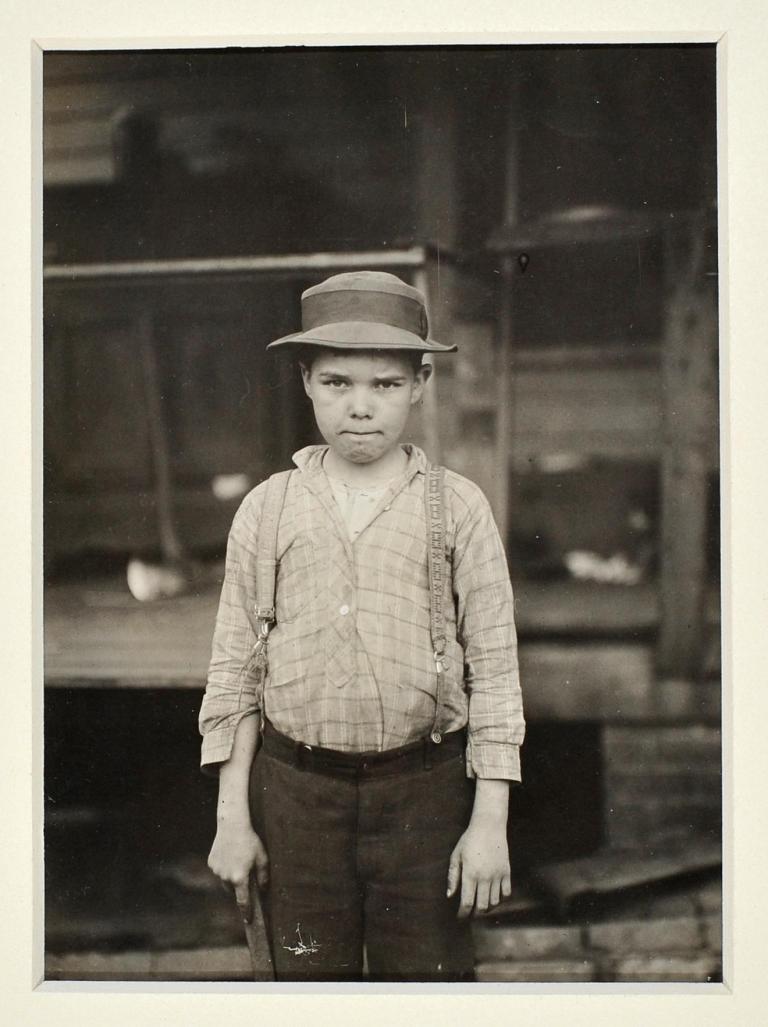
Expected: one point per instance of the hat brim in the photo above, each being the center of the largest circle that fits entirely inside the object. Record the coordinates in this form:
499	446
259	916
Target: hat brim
361	335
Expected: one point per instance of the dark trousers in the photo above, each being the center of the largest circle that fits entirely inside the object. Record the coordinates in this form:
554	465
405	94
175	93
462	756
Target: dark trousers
359	857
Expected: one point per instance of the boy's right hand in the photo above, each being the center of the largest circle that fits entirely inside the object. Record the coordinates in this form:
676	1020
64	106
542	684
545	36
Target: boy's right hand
236	851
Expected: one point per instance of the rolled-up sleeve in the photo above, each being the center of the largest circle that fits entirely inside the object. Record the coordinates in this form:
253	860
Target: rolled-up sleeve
230	692
486	631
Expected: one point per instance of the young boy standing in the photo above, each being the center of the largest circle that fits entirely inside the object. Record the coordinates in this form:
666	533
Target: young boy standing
372	807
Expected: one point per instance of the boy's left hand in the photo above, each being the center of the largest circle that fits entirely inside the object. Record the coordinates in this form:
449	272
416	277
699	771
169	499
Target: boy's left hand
480	861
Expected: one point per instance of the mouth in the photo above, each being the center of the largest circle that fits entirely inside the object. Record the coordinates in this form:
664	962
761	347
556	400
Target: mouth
359	433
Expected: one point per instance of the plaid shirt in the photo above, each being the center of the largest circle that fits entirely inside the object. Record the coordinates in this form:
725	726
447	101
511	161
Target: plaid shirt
350	654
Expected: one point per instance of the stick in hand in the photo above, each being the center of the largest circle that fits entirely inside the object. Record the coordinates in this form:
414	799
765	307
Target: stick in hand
256	934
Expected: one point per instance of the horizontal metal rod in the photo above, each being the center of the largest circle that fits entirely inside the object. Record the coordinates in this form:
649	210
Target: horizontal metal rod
285	264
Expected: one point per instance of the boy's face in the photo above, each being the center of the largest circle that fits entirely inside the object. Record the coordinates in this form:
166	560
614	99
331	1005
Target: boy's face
362	401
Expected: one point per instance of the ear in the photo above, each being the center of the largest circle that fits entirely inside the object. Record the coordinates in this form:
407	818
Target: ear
422	376
306	374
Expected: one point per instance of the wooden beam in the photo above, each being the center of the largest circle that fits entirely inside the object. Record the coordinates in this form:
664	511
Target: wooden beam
289	264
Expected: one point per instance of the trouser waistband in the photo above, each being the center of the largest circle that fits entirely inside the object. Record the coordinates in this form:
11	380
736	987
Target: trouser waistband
420	754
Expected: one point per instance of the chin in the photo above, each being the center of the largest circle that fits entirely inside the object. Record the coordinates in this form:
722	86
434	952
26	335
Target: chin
363	452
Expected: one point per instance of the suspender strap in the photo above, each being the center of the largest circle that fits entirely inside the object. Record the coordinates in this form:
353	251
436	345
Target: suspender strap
266	547
266	573
435	505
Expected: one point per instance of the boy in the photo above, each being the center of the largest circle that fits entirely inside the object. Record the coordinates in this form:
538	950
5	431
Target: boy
373	812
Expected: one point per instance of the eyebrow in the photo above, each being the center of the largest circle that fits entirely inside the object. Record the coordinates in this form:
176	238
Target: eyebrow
394	377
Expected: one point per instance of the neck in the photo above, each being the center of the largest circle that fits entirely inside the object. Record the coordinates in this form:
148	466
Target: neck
360	475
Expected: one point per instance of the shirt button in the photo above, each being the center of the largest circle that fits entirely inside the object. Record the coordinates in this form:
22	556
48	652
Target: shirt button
344	610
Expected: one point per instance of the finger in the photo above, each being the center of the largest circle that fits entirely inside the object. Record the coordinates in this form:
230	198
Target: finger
244	901
261	867
454	873
506	885
482	896
468	886
495	894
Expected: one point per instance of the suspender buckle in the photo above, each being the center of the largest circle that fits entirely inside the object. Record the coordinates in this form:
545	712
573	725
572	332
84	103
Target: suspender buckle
439	661
261	640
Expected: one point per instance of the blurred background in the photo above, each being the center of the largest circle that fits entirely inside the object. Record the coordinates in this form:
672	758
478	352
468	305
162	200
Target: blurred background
558	206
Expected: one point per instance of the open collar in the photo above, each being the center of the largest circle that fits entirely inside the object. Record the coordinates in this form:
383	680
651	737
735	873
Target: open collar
309	461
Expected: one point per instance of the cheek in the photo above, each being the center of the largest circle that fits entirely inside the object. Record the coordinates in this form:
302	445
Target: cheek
325	401
401	406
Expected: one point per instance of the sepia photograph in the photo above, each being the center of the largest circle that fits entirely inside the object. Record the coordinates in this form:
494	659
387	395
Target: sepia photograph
382	514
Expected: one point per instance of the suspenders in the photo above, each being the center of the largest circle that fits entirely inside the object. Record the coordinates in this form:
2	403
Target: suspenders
266	577
434	503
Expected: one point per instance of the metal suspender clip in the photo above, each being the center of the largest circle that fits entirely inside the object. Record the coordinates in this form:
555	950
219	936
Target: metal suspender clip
434	503
435	734
264	623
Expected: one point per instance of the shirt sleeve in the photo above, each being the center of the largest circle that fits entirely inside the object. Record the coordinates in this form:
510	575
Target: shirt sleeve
230	692
486	631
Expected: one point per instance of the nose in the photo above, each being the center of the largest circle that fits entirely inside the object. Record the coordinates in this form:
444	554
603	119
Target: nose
360	403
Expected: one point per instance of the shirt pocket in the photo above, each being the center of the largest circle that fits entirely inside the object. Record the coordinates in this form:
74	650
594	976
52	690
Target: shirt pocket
301	577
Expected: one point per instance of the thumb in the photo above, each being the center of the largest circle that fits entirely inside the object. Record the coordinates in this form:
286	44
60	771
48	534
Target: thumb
244	900
454	872
261	866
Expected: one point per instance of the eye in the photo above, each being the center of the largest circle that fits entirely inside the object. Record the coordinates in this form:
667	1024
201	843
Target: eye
387	386
336	383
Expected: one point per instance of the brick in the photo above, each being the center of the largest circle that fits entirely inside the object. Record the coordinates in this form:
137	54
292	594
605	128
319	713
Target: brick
712	928
666	770
223	964
679	789
525	943
637	828
89	966
657	803
646	935
698	968
688	700
643	747
541	971
660	906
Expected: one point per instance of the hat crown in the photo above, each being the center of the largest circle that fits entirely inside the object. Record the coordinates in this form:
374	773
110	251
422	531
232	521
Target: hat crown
374	297
364	310
366	281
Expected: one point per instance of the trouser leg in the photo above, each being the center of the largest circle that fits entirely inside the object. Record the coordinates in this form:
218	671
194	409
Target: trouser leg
408	827
313	902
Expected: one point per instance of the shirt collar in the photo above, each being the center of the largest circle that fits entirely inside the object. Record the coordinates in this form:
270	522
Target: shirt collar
309	460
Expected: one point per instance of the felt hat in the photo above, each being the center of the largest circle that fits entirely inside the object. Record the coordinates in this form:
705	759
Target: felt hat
363	310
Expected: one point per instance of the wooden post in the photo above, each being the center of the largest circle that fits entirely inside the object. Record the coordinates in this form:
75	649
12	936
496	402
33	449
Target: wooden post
504	387
170	544
503	400
431	410
689	426
436	199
